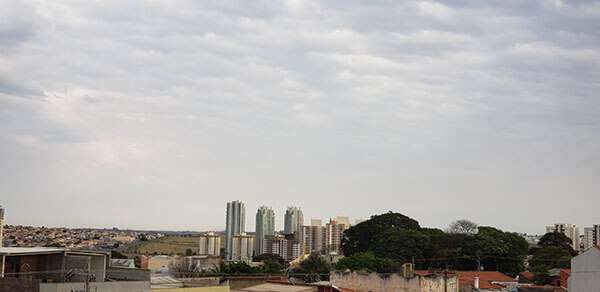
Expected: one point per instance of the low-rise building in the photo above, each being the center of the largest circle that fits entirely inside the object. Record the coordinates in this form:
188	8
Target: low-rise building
242	248
62	269
585	271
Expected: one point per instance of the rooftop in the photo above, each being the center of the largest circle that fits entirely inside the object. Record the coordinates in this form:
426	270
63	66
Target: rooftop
30	250
467	278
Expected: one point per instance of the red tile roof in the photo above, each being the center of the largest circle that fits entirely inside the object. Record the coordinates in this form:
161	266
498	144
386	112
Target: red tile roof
467	278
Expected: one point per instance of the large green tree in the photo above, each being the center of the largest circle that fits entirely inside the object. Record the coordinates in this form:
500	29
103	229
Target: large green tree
397	237
313	269
365	260
362	237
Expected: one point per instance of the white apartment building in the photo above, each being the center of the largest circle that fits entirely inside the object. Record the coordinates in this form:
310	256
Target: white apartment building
210	244
569	230
591	237
334	231
242	248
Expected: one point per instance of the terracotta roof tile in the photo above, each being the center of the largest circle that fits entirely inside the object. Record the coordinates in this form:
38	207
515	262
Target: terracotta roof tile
467	278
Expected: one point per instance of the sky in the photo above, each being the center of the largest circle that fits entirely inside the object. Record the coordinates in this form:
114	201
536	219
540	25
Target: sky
154	114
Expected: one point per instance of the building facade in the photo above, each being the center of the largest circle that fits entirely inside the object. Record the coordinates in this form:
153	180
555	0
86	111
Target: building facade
334	231
210	244
235	224
285	246
242	248
591	237
312	238
293	220
585	271
265	225
569	230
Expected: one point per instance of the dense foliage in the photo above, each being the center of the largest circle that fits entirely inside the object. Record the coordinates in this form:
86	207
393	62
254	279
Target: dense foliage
312	269
365	260
553	251
401	239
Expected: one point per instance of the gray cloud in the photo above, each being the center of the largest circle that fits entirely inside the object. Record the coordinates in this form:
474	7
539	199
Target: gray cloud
440	110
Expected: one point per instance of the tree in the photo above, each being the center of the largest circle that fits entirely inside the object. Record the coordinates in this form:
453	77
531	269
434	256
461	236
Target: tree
189	252
313	269
117	255
557	239
551	256
540	275
401	245
269	257
362	237
365	260
272	267
462	226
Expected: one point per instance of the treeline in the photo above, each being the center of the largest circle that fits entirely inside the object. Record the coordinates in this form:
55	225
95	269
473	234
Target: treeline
392	239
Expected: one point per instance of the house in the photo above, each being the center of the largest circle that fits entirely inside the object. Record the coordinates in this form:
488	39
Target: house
559	277
485	281
585	271
59	269
525	277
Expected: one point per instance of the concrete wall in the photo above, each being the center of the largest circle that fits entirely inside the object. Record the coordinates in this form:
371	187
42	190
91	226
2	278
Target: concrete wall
197	289
585	272
127	274
130	286
21	285
367	282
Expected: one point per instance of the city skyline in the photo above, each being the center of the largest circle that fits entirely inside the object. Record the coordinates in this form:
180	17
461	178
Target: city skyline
151	115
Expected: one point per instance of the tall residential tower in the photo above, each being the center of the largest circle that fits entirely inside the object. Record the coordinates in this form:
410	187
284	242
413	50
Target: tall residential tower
265	225
235	224
293	220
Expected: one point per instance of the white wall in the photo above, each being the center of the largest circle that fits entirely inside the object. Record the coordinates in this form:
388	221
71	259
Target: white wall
585	272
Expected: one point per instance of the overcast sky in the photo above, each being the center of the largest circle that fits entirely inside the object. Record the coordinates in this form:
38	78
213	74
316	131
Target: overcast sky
154	114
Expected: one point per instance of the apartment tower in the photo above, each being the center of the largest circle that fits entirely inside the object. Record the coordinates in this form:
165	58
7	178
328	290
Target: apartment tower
293	220
235	224
265	226
210	244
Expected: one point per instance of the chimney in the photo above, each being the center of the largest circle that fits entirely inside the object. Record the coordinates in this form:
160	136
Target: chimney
476	283
407	270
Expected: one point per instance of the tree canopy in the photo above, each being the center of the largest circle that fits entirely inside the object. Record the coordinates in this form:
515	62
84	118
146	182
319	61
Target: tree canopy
365	260
400	238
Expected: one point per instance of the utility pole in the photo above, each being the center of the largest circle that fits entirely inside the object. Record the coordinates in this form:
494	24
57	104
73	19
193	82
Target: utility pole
478	263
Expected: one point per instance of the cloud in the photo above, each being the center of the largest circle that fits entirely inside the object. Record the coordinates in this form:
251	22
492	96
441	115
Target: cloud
421	105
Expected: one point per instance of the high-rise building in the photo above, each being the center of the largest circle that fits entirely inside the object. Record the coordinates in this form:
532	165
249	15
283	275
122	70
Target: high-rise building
569	230
265	225
293	220
210	244
591	237
312	238
285	246
334	231
242	248
1	224
235	224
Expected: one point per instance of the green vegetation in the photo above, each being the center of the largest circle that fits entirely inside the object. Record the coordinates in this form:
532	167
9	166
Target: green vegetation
313	269
168	245
553	251
401	239
365	260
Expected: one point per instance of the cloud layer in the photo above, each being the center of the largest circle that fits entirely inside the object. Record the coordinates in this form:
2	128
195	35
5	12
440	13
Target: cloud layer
154	114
